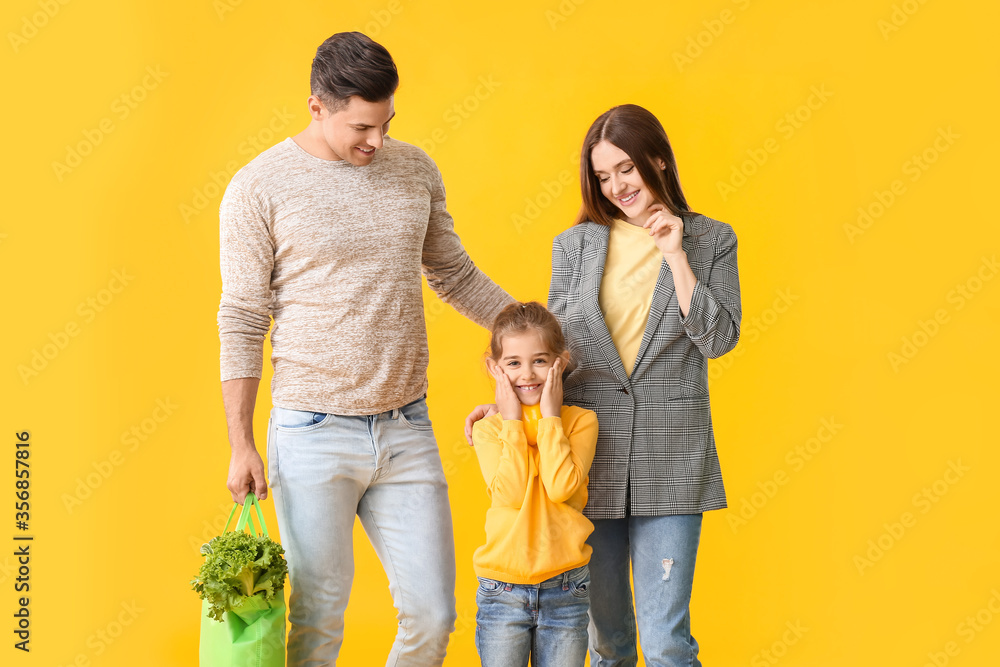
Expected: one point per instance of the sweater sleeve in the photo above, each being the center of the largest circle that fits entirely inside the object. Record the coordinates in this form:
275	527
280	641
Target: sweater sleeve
246	261
564	458
503	457
450	271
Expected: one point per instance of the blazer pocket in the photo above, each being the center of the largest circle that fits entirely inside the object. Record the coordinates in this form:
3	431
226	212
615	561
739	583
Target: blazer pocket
688	404
685	424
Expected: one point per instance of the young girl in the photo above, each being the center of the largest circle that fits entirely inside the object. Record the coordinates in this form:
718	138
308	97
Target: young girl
535	454
647	291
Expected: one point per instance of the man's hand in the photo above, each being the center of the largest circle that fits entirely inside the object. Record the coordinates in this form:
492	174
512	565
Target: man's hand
246	473
246	468
480	412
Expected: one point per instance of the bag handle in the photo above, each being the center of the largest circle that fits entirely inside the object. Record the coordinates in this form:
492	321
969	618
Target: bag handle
230	519
246	516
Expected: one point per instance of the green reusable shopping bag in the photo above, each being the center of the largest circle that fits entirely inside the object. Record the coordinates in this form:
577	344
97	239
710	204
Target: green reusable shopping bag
253	634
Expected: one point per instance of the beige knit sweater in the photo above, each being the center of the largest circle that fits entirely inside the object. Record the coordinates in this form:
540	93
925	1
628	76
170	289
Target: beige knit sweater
334	253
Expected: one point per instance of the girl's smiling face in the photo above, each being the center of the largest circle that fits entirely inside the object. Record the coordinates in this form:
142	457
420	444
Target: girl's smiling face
620	182
526	360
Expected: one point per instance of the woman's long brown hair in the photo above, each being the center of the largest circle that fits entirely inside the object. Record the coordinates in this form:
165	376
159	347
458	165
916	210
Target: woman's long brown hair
638	133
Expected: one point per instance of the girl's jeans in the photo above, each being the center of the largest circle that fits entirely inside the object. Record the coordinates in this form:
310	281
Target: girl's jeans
547	621
326	469
662	550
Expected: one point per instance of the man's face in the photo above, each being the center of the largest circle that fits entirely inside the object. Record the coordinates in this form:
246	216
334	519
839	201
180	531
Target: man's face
355	131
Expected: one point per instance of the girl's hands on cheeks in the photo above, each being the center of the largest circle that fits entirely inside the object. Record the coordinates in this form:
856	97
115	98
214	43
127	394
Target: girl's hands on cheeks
666	229
552	392
507	401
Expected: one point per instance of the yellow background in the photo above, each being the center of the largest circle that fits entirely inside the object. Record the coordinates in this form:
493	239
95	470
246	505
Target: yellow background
823	307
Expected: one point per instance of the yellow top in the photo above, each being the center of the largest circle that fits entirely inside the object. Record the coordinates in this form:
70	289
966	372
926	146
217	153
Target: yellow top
535	528
530	414
630	271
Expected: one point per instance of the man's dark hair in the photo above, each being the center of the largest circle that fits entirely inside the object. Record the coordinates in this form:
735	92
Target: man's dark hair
348	64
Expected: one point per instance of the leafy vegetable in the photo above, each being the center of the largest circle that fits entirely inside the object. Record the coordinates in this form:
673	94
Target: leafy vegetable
239	565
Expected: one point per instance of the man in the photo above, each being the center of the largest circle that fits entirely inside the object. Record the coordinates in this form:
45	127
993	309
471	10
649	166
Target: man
328	232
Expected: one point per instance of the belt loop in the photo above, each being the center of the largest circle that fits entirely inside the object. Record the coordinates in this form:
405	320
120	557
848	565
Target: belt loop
395	413
565	580
508	587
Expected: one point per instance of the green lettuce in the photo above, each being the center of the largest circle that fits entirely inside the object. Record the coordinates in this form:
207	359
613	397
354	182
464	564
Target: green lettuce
239	565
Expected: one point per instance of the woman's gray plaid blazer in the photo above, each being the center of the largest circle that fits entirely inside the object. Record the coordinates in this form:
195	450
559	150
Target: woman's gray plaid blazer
655	449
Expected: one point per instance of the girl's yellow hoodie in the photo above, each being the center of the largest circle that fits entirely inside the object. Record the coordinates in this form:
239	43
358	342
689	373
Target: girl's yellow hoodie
535	528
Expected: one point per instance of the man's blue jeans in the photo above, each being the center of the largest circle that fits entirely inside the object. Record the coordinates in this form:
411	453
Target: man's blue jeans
547	621
326	469
662	551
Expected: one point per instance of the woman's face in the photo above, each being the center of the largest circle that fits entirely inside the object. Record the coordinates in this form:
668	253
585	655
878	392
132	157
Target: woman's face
621	183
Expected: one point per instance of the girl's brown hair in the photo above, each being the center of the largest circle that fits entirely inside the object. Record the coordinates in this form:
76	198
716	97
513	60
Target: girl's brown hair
638	133
520	317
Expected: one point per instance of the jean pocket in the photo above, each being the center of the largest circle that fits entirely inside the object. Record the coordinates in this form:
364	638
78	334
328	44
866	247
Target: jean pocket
415	415
490	587
298	420
581	587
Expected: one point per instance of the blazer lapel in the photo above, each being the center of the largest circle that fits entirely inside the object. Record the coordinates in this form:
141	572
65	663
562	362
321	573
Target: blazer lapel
662	294
594	254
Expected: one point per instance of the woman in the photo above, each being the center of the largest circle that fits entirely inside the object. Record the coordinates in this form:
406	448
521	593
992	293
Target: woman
646	291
